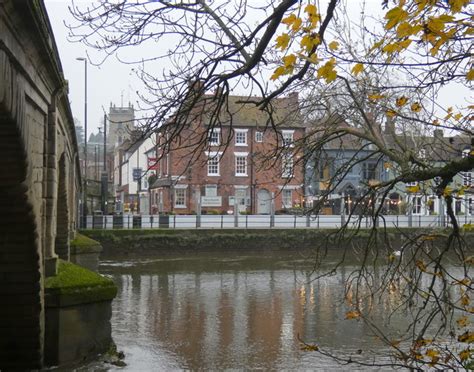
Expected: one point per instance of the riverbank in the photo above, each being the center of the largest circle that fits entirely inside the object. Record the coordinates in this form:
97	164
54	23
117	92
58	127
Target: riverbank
166	242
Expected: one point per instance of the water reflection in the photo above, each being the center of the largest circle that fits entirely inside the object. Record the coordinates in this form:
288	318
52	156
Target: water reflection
215	313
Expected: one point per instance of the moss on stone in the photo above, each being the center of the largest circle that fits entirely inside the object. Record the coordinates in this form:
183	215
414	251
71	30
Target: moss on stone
84	244
74	285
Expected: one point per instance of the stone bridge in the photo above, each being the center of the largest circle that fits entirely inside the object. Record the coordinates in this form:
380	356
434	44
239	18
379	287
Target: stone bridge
39	177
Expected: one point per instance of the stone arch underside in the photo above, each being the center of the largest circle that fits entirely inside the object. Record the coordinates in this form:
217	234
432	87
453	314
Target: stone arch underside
21	312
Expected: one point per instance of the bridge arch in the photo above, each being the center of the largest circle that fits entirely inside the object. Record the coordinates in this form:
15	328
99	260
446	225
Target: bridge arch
21	313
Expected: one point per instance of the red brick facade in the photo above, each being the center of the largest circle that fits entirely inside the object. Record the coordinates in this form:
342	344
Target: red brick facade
241	165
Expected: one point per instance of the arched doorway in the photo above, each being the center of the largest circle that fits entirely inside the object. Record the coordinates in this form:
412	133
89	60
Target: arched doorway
264	202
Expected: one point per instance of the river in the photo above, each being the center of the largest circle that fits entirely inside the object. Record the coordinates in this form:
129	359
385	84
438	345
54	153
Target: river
242	312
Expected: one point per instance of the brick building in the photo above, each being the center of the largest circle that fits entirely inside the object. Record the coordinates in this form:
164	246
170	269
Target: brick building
245	159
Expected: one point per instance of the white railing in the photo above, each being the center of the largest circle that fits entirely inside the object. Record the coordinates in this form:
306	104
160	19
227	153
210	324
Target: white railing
264	221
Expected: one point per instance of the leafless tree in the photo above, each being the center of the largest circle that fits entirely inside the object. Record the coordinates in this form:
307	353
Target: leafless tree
357	77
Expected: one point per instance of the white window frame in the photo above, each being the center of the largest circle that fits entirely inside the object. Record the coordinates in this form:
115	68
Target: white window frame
213	156
467	178
241	155
259	136
417	205
176	197
288	138
287	166
238	134
208	191
215	132
286	198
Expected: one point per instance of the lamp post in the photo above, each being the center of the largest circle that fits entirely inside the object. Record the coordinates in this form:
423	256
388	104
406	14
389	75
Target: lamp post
84	189
104	177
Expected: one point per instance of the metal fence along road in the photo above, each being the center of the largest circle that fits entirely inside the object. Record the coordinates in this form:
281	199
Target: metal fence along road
264	221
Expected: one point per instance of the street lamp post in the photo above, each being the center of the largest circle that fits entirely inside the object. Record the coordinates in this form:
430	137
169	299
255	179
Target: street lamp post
104	177
84	189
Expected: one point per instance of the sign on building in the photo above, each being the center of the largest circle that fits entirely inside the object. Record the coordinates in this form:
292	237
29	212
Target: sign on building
137	174
211	201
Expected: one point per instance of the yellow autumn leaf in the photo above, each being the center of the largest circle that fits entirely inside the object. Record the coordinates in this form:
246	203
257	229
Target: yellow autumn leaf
311	9
435	122
309	41
470	75
413	189
333	45
390	48
420	265
463	321
447	191
375	96
458	116
420	342
395	16
376	45
313	20
279	71
327	71
289	20
457	5
469	260
404	29
465	300
309	347
313	58
401	101
296	24
404	44
395	343
358	68
289	60
391	113
467	337
432	353
465	355
282	41
464	282
415	107
437	24
353	314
